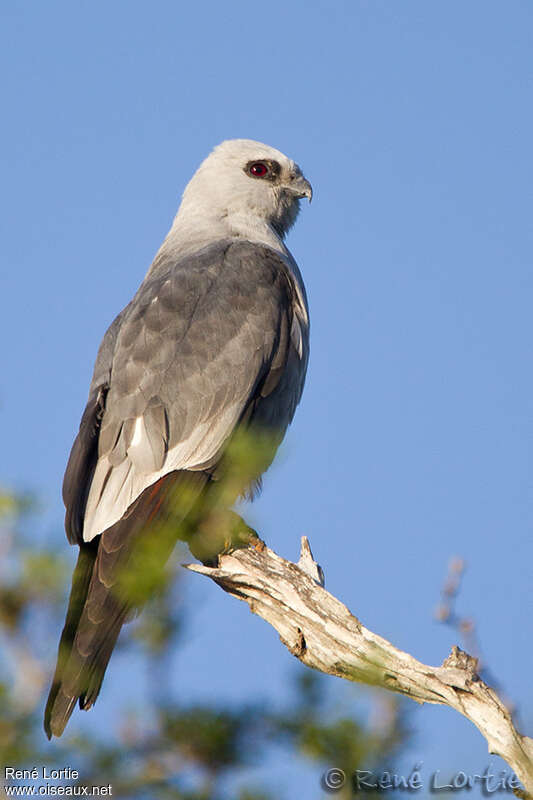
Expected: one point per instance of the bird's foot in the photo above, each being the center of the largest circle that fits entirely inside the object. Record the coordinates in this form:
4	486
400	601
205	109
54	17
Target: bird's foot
221	533
242	537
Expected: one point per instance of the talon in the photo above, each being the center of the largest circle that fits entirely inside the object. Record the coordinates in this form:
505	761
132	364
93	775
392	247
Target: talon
256	543
220	534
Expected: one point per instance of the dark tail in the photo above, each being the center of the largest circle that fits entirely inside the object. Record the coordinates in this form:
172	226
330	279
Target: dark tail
114	575
78	594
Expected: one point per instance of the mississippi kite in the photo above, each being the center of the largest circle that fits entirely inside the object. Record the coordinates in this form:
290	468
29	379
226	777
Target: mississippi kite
215	342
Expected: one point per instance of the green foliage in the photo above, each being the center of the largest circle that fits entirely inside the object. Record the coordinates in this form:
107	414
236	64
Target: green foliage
171	749
215	738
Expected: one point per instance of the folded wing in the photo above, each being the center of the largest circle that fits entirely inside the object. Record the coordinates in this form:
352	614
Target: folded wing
208	341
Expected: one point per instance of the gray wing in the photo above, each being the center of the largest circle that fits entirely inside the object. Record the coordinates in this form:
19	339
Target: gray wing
84	454
217	338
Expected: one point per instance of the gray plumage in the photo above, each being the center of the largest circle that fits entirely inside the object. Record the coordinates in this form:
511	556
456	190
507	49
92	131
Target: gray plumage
216	339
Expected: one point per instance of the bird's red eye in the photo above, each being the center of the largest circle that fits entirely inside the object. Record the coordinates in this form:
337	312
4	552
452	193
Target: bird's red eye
258	169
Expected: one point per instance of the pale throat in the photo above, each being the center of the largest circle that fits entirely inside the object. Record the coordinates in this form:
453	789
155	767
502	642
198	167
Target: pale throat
194	228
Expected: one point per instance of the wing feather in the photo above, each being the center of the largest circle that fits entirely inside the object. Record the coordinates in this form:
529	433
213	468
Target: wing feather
204	342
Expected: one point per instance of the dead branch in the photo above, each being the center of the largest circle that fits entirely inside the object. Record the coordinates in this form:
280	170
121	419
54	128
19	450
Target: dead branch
322	633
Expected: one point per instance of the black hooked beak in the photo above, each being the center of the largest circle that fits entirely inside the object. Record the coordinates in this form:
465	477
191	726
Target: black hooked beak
300	187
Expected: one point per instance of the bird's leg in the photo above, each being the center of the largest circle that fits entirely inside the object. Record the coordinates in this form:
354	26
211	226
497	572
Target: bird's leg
221	532
240	534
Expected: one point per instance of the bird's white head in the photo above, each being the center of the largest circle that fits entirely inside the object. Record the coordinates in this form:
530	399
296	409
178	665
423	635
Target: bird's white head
244	187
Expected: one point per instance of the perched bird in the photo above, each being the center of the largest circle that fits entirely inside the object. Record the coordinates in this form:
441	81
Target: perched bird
215	343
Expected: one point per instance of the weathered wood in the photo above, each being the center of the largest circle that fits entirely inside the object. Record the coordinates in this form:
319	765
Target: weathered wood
322	633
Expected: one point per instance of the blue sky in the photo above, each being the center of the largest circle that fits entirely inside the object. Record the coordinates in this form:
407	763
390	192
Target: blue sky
413	442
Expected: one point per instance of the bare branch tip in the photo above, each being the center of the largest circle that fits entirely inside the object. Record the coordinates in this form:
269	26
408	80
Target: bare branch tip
200	568
461	660
308	564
